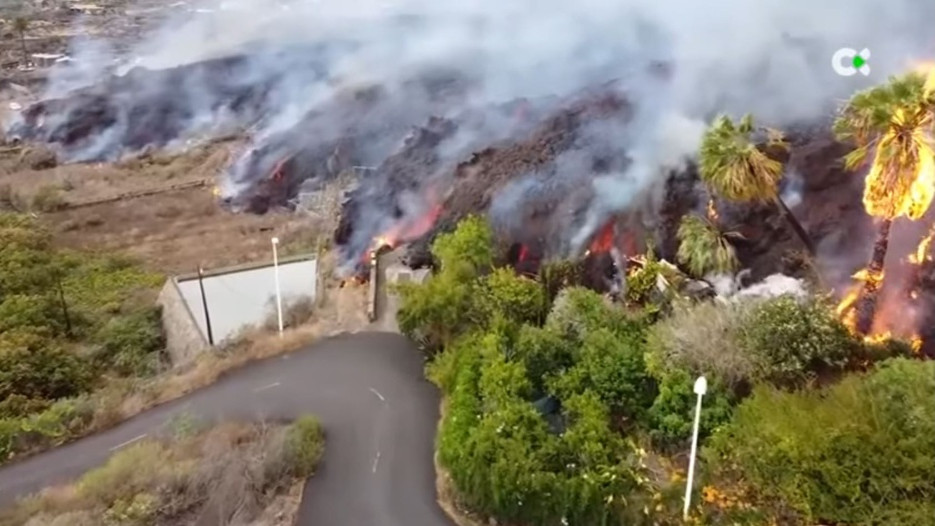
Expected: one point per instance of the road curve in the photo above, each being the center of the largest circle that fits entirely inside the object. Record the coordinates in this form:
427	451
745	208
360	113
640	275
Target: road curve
368	389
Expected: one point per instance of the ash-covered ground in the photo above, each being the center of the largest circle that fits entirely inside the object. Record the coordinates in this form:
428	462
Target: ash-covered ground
552	119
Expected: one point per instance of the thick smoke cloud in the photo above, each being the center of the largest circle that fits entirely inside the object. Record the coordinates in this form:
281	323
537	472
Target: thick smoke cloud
768	57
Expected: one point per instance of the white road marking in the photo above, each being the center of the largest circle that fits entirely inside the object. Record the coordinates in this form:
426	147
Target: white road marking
265	387
376	461
374	391
128	442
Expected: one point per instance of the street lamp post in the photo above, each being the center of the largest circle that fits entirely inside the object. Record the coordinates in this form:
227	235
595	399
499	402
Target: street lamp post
701	387
275	241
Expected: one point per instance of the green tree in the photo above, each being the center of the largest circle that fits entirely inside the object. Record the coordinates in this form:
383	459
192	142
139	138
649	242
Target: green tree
130	344
703	248
543	352
469	247
438	311
577	311
517	298
892	124
735	168
612	367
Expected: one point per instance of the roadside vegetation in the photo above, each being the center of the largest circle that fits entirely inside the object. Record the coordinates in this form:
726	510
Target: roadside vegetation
564	408
70	323
227	474
81	343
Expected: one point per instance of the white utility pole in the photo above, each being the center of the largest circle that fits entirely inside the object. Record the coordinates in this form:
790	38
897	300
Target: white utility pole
278	292
701	387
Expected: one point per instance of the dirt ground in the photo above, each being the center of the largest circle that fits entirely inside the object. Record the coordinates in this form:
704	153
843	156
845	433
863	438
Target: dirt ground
172	231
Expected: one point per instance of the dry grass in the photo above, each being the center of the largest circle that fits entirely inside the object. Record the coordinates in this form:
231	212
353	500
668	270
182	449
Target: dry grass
228	474
172	232
700	338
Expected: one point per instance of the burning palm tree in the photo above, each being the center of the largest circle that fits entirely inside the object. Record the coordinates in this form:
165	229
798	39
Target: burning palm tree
891	124
736	169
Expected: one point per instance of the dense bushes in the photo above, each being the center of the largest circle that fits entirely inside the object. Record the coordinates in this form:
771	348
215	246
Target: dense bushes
859	452
65	319
548	416
506	462
783	340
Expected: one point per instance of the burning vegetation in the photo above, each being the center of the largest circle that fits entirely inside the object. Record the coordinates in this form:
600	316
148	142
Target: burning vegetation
892	129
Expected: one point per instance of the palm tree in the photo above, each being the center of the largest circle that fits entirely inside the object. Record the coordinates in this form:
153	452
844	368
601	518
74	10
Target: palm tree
893	125
703	248
21	25
733	165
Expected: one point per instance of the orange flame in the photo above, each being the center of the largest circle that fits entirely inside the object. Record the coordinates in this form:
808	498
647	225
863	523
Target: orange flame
407	230
845	309
923	252
604	240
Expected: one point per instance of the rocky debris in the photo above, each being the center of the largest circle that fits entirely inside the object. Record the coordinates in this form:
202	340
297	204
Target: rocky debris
154	108
476	181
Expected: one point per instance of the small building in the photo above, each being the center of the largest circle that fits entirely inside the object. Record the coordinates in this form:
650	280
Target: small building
86	9
46	60
198	314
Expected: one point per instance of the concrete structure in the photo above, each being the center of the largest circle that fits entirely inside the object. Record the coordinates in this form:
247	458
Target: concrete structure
236	298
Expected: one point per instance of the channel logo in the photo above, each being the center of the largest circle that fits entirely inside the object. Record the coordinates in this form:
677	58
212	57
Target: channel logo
848	62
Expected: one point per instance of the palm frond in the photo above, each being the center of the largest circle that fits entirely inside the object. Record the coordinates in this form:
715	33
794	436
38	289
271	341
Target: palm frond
893	123
703	249
733	166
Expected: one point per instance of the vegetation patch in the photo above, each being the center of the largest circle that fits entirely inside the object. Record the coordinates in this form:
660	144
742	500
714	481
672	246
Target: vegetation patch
70	323
227	474
565	408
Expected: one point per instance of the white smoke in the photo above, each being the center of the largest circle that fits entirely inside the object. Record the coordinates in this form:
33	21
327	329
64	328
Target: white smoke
768	57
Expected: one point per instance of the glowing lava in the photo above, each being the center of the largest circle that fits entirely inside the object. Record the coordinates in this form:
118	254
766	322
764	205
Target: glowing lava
407	229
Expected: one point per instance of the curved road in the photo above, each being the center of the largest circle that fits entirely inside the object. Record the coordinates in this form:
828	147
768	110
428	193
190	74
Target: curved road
368	389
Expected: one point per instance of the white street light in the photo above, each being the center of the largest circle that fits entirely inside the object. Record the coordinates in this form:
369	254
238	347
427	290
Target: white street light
701	387
275	241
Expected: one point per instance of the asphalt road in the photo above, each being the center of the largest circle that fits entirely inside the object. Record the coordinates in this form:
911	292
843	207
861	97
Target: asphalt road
368	389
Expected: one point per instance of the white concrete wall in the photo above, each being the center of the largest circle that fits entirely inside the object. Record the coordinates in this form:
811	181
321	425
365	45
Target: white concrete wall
245	298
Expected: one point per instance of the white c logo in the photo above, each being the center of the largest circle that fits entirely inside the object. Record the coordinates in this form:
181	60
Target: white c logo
847	62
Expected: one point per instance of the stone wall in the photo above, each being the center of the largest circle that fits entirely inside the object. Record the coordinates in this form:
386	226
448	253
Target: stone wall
184	340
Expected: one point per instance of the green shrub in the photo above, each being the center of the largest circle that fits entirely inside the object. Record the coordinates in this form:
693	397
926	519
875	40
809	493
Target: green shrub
130	344
17	405
305	444
612	368
469	247
129	472
437	312
520	299
542	352
794	339
578	310
35	312
672	414
44	372
859	452
557	275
